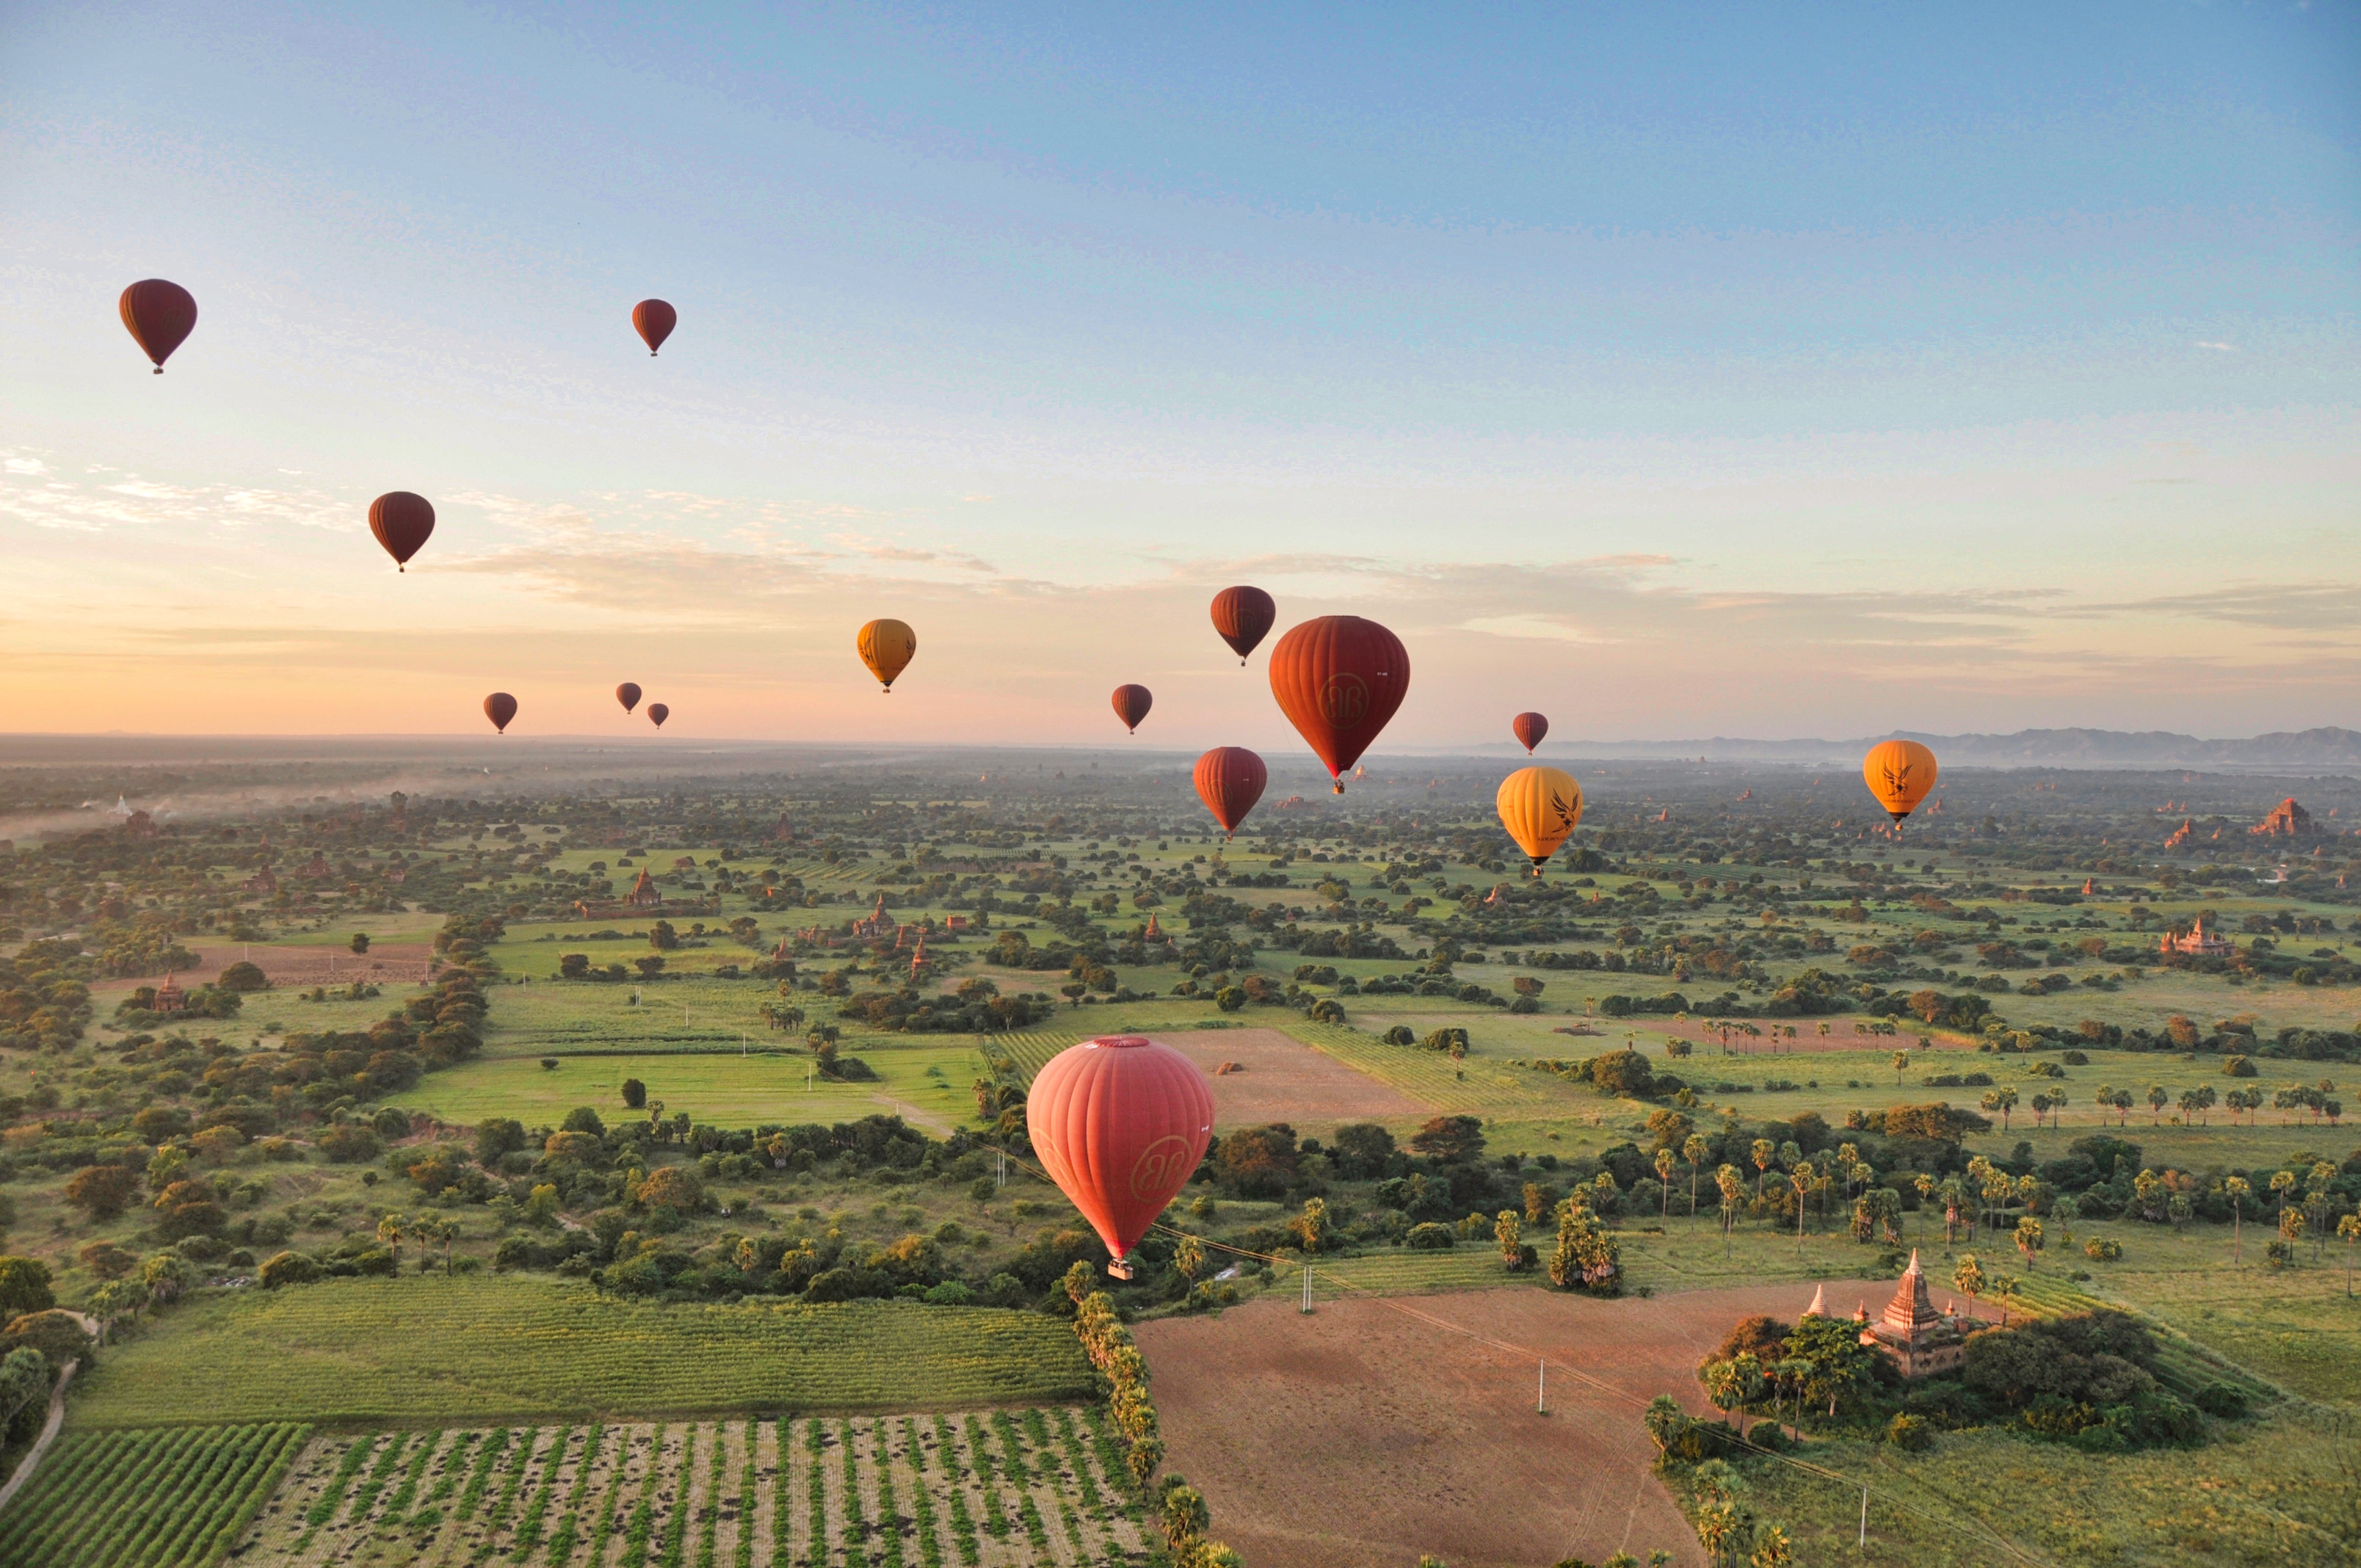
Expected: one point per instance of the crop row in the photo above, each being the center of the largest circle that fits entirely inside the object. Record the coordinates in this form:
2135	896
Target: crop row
171	1498
988	1489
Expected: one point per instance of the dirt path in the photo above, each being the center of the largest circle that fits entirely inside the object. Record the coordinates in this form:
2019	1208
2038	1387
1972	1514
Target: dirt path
26	1466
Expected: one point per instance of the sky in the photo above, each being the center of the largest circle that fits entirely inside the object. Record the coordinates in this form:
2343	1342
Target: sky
1672	370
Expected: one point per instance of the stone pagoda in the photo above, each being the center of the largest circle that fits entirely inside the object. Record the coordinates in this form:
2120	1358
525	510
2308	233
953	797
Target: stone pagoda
1917	1339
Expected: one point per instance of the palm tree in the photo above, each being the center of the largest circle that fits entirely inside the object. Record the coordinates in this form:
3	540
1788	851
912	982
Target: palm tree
1664	1186
388	1231
2157	1098
2238	1189
1969	1277
1694	1149
1901	1066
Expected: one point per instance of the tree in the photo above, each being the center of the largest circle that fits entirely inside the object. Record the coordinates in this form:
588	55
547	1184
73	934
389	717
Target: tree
286	1268
2028	1239
1733	1188
1772	1549
1694	1148
24	1381
1901	1064
2348	1230
635	1094
102	1191
1733	1385
1969	1277
24	1287
360	942
663	938
2003	1099
388	1231
2238	1189
1508	1231
1803	1177
2157	1098
649	966
1665	1163
1189	1258
497	1136
1452	1140
166	1275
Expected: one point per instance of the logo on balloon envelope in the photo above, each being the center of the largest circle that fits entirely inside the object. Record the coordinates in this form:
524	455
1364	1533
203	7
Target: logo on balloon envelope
1344	698
1161	1164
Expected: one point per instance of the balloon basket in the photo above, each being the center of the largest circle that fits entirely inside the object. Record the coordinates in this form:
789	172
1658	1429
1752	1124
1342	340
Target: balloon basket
1118	1269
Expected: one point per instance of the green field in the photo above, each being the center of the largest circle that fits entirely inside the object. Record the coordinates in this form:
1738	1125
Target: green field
431	1348
172	1497
727	1089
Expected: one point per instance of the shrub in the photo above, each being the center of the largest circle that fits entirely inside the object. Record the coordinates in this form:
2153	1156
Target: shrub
243	976
351	1143
2102	1249
1912	1434
2221	1399
1430	1237
288	1268
1400	1034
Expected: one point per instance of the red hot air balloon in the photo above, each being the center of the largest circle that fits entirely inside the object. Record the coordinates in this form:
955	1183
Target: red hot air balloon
1338	679
657	714
1230	779
628	694
160	316
1120	1124
499	708
656	321
1243	617
1131	706
403	523
1529	729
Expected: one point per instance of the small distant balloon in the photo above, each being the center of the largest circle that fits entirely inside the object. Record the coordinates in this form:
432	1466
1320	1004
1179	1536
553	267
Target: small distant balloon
1243	615
160	316
628	694
657	714
888	648
1131	706
1230	779
403	523
656	321
500	707
1529	729
1899	773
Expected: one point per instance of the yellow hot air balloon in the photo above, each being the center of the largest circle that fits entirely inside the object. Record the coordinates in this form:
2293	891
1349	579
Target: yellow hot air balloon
886	647
1899	772
1539	807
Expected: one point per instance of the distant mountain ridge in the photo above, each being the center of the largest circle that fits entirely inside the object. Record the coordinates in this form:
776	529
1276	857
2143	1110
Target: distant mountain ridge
2327	749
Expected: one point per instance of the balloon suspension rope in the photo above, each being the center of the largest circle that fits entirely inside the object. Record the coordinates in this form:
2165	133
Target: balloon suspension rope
1972	1526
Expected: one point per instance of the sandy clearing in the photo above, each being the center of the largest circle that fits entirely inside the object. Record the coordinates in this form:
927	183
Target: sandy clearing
1287	1080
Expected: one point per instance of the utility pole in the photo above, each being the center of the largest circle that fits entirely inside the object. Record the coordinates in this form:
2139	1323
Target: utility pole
1541	1391
1864	1516
1307	1290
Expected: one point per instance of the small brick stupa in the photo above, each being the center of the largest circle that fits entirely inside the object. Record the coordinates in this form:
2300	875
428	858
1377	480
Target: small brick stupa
1917	1339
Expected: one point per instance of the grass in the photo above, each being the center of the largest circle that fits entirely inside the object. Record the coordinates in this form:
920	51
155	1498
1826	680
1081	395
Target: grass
724	1089
499	1347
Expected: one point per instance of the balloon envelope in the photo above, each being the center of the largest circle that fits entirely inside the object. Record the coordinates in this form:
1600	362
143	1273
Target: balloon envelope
403	523
657	714
1120	1124
656	321
887	647
499	708
628	694
1899	772
160	316
1338	679
1529	729
1230	779
1131	704
1243	617
1539	807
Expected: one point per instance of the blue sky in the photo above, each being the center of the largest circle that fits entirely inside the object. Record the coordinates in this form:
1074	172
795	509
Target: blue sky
1678	370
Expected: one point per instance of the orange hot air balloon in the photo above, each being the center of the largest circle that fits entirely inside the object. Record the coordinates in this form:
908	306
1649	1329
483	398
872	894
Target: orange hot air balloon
1131	706
1243	617
1120	1124
160	317
657	714
1230	779
887	647
1899	772
1529	729
1539	807
628	694
403	523
499	708
1338	679
655	320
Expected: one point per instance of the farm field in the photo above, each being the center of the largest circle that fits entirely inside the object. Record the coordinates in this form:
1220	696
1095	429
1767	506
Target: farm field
169	1498
362	1351
929	1085
973	1488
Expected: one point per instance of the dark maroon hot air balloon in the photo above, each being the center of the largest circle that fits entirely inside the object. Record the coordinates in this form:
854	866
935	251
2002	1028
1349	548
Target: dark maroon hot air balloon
1338	678
1230	779
656	321
499	708
628	694
1131	706
403	523
657	714
160	316
1243	617
1529	729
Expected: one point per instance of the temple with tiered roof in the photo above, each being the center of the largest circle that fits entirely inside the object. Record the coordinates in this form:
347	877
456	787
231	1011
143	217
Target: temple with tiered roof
1910	1333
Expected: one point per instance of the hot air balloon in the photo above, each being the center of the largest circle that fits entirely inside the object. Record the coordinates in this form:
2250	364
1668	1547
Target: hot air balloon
1529	729
657	714
1899	772
1539	807
403	523
160	316
1338	679
1120	1124
628	694
656	321
1243	617
887	647
1131	706
499	708
1230	779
